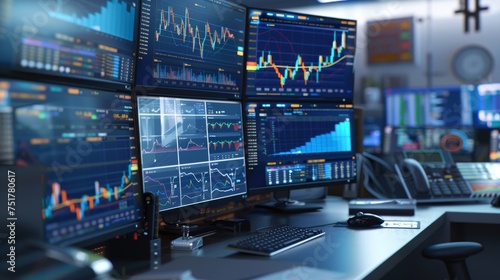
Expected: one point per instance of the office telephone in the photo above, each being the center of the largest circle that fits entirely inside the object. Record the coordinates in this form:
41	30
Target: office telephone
429	176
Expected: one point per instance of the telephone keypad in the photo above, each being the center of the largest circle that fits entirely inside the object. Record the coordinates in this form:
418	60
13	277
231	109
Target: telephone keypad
446	181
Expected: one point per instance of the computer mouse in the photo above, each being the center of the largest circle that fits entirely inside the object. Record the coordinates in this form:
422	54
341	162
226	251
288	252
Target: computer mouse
495	202
362	219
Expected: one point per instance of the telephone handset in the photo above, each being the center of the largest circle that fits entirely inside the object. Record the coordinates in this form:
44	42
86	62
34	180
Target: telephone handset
414	178
431	176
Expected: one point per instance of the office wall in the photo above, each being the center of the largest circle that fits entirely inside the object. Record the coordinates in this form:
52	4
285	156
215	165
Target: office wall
438	31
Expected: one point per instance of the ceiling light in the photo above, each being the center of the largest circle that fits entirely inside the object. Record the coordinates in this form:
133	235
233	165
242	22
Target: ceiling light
330	1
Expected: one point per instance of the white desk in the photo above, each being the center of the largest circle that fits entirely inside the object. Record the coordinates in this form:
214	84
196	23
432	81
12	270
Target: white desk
372	253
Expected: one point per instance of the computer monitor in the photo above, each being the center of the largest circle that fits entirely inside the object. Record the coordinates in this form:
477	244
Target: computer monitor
82	141
487	111
372	138
372	125
192	152
430	118
293	145
299	56
429	107
191	46
458	141
86	41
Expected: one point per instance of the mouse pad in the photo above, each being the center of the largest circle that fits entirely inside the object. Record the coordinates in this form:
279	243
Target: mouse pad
386	224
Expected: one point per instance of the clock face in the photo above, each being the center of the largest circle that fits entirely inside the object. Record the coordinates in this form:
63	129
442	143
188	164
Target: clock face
472	64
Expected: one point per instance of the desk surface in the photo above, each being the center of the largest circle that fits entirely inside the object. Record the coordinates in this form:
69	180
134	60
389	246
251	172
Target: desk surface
367	253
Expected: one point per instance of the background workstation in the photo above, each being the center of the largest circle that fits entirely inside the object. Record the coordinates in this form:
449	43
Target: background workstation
84	104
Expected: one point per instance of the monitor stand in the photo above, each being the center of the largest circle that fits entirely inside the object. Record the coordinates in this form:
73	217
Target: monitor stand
283	203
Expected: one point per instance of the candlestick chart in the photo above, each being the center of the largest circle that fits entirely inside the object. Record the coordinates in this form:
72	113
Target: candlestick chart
64	201
292	56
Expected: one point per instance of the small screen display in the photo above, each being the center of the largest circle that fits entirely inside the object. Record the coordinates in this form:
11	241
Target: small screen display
425	157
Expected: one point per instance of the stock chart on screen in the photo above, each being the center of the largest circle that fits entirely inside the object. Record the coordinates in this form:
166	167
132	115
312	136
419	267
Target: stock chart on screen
191	149
296	55
298	144
84	141
89	40
191	45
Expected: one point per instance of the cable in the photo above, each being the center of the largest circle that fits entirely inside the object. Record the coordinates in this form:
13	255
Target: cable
378	160
371	183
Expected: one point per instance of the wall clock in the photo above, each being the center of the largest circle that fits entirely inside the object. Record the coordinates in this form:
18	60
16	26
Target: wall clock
472	64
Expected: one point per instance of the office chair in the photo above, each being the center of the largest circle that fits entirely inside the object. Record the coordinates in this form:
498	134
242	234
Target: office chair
454	254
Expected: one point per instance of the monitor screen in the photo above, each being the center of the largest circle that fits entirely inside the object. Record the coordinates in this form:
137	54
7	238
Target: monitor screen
487	113
429	107
89	40
83	139
192	150
191	46
299	56
456	141
372	138
494	152
430	118
298	145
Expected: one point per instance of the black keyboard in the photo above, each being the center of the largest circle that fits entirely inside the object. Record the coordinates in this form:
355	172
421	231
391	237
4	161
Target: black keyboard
276	240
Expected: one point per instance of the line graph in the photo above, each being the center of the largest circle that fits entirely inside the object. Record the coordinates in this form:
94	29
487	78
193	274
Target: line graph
196	45
227	178
197	35
225	145
158	140
192	125
156	106
195	183
164	183
189	107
